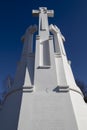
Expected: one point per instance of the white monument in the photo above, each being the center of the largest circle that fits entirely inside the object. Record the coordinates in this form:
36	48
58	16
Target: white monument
44	95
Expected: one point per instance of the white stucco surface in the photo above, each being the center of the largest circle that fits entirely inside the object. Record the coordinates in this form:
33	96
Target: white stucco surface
46	110
44	95
80	110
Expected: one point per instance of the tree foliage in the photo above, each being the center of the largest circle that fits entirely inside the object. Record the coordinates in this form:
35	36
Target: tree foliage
83	88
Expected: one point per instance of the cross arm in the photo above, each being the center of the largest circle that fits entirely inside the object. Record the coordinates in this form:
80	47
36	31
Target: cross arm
50	13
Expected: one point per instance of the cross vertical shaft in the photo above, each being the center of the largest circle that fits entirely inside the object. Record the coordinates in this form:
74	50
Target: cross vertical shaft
43	14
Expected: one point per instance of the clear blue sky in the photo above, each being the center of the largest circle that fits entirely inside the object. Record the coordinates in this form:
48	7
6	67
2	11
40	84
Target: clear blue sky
70	16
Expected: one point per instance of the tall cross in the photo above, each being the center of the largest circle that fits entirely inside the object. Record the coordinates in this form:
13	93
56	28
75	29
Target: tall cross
43	14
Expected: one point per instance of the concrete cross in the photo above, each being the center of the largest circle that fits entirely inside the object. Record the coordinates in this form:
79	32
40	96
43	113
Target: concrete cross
43	14
44	10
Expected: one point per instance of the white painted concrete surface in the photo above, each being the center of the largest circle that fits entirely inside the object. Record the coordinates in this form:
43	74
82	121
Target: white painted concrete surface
44	95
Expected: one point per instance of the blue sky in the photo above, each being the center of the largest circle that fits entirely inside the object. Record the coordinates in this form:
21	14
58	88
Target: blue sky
70	16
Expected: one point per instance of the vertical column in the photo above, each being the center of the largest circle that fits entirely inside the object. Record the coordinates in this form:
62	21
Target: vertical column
58	40
25	70
44	54
28	39
60	58
45	71
44	50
